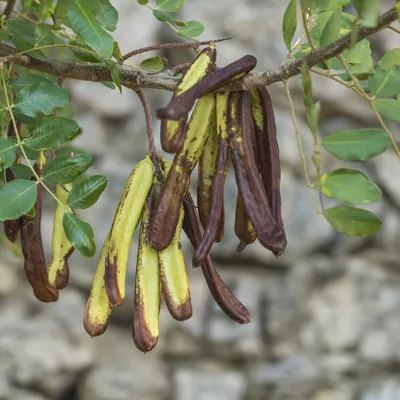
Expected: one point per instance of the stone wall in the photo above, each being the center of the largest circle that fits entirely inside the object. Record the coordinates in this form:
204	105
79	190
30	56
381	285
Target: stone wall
325	315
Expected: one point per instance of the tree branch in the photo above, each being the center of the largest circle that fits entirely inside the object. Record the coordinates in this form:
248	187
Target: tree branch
133	79
9	8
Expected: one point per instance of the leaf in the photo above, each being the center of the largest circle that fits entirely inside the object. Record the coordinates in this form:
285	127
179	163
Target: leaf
51	132
8	151
116	77
88	28
17	198
64	169
390	60
191	29
170	5
44	36
23	36
21	171
84	53
80	234
289	24
356	145
142	2
371	13
26	79
350	186
353	221
331	31
61	12
152	64
385	83
164	17
105	13
41	99
117	54
388	108
87	192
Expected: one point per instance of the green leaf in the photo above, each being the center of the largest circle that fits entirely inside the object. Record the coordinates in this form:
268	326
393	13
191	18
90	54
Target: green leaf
356	145
142	2
163	17
41	99
26	79
21	171
191	29
44	36
17	198
87	192
88	28
61	12
385	83
388	108
331	31
51	132
105	13
8	151
23	36
353	221
116	77
152	64
350	186
80	234
371	13
117	54
84	52
390	60
170	5
289	24
64	169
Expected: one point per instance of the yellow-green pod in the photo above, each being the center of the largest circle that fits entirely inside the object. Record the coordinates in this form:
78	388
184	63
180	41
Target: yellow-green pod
147	291
174	280
124	225
58	271
98	307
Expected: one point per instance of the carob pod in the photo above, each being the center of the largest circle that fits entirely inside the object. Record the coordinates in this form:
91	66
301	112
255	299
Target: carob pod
213	228
173	132
125	221
244	229
58	272
98	308
180	105
268	148
220	292
12	227
32	247
269	233
165	220
146	306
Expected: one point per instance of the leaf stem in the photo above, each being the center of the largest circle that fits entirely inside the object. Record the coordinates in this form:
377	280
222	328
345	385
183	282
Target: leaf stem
306	30
149	127
300	146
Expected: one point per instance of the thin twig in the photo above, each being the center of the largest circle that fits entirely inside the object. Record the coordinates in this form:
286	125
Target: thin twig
392	28
170	46
299	144
9	8
149	127
306	30
177	69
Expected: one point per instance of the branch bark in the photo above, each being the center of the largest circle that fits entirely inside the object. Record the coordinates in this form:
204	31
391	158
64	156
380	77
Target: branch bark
165	81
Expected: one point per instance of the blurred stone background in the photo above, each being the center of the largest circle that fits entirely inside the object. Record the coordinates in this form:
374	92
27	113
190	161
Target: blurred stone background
325	315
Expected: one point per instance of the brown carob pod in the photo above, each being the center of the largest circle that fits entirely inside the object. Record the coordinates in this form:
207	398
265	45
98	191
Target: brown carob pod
12	227
173	132
269	233
180	105
268	148
220	292
244	229
213	229
165	220
32	247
